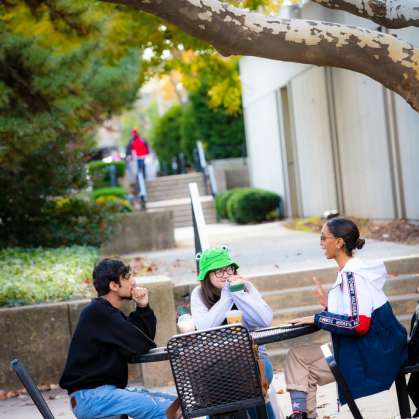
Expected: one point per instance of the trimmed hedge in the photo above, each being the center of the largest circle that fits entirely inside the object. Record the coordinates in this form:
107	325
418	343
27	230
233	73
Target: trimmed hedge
118	192
98	166
221	200
249	205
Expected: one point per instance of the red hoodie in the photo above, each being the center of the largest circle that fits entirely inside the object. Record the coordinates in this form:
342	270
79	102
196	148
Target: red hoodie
140	147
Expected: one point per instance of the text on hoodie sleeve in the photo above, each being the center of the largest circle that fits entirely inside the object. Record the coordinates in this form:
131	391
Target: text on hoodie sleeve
357	307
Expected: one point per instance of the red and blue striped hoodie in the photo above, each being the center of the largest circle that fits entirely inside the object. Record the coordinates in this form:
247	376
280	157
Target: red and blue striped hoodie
369	344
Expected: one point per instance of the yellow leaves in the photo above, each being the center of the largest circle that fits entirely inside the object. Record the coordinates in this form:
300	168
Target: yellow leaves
226	94
21	22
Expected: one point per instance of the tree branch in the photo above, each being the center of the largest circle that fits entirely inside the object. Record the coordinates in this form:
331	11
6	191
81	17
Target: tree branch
392	62
392	14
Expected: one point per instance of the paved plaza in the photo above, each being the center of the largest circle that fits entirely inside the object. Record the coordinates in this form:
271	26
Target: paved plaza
260	249
380	406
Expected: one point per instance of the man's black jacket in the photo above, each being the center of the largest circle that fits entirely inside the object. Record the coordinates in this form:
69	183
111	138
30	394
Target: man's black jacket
104	340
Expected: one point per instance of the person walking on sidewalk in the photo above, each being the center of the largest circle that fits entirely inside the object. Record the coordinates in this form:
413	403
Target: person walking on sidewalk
96	371
368	343
223	289
140	147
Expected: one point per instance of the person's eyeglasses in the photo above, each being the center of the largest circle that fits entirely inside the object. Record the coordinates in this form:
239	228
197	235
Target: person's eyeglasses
219	273
322	237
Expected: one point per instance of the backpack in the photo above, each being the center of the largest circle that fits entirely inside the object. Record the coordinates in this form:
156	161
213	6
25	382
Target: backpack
413	345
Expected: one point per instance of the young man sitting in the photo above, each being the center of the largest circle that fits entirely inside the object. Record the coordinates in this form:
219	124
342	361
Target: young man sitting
96	371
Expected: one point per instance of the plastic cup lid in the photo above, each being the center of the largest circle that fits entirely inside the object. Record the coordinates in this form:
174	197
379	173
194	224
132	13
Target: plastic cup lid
232	313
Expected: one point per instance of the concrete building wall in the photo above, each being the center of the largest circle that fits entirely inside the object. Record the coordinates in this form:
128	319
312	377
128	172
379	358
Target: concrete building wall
363	145
313	142
265	164
365	134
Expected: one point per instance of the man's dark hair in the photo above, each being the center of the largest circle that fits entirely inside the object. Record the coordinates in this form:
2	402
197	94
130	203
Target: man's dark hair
107	270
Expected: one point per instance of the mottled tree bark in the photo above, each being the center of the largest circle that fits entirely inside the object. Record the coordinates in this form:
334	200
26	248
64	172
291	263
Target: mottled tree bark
392	14
392	62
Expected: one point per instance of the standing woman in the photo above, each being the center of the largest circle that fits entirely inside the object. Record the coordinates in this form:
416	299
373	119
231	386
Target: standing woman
215	296
369	344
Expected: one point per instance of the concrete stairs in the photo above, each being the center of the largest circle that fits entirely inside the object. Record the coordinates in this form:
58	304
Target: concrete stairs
172	193
173	187
182	210
290	296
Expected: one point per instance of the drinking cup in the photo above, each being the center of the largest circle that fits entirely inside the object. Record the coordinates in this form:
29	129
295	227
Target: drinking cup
234	316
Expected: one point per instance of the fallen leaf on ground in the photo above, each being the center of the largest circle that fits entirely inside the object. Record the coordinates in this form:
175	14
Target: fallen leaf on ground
28	404
326	417
54	386
280	391
44	387
13	403
170	383
12	393
279	370
322	405
64	394
276	266
23	391
2	395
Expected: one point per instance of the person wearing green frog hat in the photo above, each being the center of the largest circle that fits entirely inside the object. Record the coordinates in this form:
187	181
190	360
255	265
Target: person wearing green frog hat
222	289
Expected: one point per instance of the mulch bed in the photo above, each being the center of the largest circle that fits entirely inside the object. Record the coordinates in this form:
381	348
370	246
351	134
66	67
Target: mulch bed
397	231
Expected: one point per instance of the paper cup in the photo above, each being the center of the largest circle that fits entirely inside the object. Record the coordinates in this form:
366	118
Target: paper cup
234	316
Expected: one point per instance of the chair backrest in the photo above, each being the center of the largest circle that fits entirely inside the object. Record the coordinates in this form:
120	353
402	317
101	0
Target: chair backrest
32	389
215	371
413	345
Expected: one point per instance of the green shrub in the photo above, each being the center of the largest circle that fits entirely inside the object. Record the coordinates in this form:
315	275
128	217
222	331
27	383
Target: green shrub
165	135
221	202
120	204
31	214
118	192
249	205
75	221
98	166
101	184
32	276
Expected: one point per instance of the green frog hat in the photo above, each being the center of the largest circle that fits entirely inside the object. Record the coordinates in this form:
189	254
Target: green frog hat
213	258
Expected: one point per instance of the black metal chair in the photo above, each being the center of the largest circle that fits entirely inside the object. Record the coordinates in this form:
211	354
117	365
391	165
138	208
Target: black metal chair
36	395
215	372
401	387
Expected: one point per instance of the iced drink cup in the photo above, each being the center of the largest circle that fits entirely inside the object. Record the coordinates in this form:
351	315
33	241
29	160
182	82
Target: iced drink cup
234	316
186	323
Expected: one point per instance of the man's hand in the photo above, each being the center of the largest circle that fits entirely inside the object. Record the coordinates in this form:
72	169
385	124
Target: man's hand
140	296
302	320
320	294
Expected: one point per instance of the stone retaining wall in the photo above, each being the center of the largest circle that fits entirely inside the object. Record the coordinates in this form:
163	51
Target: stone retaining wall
143	230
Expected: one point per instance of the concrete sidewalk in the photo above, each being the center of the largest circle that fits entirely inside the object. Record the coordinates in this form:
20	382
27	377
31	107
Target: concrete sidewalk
260	249
380	406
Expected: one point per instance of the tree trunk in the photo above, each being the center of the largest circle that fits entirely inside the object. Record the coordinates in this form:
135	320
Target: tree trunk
392	62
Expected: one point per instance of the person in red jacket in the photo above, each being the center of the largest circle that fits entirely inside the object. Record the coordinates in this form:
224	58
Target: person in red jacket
140	146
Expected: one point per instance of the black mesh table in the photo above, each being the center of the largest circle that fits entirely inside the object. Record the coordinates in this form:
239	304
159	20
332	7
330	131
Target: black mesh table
260	337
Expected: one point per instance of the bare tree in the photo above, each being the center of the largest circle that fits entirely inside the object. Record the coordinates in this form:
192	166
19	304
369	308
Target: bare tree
392	62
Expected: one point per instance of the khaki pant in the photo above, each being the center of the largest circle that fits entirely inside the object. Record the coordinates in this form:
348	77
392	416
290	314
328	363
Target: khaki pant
305	369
